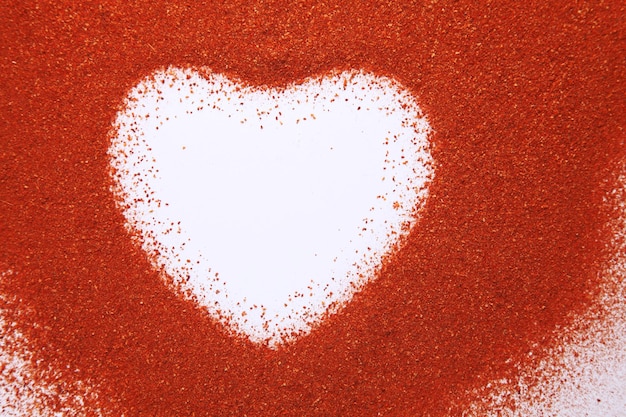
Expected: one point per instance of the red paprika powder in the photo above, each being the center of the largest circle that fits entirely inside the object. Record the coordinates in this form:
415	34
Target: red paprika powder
526	100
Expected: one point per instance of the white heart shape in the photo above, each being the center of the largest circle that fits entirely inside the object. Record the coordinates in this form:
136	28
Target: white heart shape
269	207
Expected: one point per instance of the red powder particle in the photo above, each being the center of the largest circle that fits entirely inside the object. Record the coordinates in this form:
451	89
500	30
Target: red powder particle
527	103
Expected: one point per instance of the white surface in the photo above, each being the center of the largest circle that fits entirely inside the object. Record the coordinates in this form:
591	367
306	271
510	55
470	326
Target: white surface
270	206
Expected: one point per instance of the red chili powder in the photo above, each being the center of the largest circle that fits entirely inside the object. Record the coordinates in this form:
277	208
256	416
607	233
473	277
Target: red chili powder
527	103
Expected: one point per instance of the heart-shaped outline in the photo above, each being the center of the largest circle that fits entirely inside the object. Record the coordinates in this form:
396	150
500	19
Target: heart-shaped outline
407	169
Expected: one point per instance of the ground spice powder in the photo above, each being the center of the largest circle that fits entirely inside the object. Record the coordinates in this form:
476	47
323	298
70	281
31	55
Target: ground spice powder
527	103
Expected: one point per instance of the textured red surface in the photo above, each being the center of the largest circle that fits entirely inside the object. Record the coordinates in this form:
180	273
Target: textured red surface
527	103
